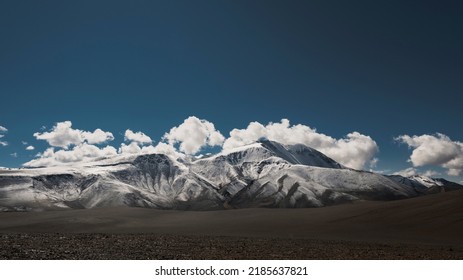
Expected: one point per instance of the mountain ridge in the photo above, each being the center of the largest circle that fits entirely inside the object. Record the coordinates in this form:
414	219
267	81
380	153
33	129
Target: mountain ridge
261	174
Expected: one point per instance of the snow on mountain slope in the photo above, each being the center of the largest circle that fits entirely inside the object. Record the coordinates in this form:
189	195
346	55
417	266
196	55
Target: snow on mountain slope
300	154
303	186
293	154
426	181
417	181
155	181
233	169
424	184
263	174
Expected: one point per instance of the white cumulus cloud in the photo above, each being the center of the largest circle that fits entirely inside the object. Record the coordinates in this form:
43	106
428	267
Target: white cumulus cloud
98	136
407	172
355	150
132	148
411	171
3	130
431	173
194	134
166	149
437	150
63	135
139	137
30	148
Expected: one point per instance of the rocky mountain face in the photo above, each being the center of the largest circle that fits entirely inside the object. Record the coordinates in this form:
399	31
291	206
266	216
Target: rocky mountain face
263	174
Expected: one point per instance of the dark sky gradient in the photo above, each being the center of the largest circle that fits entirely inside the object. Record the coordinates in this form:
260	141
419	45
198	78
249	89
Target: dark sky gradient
381	68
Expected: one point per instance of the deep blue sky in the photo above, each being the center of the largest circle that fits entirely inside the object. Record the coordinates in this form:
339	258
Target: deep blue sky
381	68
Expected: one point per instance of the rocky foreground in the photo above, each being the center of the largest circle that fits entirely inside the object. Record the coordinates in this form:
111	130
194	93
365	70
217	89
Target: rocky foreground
154	246
428	227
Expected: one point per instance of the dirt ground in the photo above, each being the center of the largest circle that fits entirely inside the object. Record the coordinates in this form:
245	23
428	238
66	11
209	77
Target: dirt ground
154	246
429	227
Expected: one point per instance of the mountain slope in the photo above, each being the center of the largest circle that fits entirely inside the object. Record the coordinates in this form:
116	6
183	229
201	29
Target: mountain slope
426	185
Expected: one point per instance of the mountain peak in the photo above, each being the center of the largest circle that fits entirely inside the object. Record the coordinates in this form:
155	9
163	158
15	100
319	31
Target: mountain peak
264	149
300	154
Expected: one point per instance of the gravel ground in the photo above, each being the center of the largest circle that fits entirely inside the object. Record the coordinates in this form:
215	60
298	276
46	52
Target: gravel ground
429	227
154	246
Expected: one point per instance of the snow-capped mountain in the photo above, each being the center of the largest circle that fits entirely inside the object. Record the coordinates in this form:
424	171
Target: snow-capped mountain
262	174
427	185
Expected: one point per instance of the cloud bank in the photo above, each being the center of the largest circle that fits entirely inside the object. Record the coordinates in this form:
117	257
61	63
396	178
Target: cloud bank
75	145
81	153
355	150
67	144
435	150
